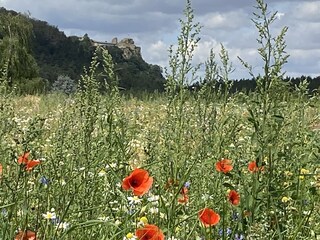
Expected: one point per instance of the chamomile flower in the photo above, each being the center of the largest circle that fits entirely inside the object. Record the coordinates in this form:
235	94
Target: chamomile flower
49	215
130	236
153	210
142	221
134	200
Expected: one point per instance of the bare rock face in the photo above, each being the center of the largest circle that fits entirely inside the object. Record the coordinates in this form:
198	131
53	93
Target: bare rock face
129	48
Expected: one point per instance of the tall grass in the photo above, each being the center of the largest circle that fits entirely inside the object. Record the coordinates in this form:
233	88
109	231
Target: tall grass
88	143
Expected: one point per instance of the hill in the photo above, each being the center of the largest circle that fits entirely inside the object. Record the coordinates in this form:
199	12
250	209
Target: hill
57	54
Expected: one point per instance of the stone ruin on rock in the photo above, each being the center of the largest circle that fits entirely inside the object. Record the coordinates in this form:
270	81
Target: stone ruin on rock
126	45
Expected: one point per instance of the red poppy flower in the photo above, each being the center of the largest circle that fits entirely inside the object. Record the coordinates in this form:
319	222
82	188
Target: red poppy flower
185	197
234	197
224	166
26	235
149	231
209	217
139	181
23	159
252	167
31	164
184	191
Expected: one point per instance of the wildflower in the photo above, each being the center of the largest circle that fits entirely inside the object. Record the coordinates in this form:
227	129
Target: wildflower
209	217
31	164
252	167
43	180
184	191
49	215
149	231
4	212
285	199
228	231
26	235
224	166
153	199
134	200
139	181
303	172
130	236
154	210
235	216
102	173
185	198
238	236
23	159
1	169
143	221
234	197
187	184
117	222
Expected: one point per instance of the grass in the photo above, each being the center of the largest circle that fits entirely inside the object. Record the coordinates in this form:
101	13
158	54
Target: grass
84	188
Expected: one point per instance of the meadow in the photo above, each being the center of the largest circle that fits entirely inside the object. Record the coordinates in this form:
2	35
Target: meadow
176	166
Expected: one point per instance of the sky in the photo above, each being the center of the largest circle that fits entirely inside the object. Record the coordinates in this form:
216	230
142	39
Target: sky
154	26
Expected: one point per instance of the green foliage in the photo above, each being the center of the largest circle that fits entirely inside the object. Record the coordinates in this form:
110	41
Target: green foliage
32	86
181	72
64	84
15	47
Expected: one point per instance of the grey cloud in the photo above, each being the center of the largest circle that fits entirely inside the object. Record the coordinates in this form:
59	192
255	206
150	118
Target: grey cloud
154	25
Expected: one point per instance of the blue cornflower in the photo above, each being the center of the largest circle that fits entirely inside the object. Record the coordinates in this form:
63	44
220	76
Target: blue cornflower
228	231
238	237
187	184
235	216
4	212
43	180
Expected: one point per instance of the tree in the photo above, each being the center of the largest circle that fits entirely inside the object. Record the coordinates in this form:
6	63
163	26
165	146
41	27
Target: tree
15	33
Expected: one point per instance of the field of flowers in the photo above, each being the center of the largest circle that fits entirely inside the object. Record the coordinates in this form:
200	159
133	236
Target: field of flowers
141	168
177	166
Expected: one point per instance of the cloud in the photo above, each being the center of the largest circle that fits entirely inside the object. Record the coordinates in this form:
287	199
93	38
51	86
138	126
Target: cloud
154	25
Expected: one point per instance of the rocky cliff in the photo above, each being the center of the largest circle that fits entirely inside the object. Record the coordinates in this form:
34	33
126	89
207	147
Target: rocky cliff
127	45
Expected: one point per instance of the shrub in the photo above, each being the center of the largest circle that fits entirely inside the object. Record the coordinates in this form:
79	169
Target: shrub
64	84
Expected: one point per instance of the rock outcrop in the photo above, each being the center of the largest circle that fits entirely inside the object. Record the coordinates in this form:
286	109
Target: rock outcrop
126	45
129	48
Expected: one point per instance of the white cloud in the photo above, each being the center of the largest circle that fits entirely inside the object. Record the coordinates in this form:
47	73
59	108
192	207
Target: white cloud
308	11
227	20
